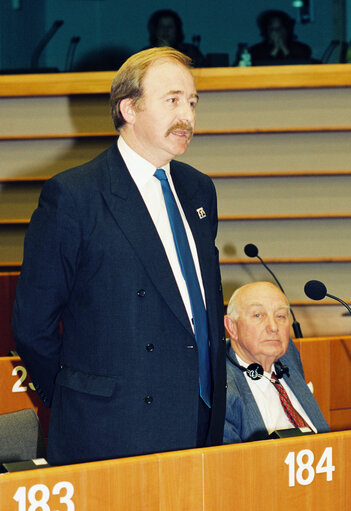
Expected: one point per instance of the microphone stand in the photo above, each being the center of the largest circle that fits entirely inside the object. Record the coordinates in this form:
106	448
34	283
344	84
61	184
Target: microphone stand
40	47
339	300
70	53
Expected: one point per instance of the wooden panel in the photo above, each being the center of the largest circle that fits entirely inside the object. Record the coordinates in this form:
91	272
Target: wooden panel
223	468
276	77
223	110
347	467
18	201
176	470
273	108
210	154
315	357
284	195
285	238
256	473
75	114
11	243
123	485
269	152
17	391
231	477
327	363
320	320
292	277
297	343
340	420
340	368
47	157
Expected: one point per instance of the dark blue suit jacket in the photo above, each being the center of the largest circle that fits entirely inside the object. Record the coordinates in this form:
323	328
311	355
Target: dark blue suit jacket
121	375
244	422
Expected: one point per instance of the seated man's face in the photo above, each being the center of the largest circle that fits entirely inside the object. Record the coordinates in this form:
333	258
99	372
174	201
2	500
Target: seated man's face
261	333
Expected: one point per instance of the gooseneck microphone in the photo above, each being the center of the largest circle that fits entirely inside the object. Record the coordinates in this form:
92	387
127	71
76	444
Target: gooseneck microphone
316	290
252	251
34	64
71	52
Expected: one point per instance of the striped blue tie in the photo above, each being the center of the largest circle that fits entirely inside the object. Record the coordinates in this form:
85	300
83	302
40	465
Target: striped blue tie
189	273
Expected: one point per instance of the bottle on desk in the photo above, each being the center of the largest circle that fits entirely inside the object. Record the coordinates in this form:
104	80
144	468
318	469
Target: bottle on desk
243	55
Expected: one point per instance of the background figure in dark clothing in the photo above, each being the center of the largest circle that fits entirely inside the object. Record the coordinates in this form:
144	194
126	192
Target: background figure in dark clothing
166	29
279	41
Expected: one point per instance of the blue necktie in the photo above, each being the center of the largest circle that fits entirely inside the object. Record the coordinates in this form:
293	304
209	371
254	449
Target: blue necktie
189	273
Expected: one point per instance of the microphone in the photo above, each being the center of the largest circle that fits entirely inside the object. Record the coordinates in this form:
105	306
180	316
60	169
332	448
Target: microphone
316	290
252	251
71	52
281	369
43	43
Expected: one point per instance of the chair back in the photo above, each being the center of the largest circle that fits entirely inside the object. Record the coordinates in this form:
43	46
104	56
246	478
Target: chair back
21	437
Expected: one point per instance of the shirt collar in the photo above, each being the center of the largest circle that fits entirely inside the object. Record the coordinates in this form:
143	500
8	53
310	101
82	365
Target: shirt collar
140	169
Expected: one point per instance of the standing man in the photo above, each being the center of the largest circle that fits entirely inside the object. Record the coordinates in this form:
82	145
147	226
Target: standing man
121	251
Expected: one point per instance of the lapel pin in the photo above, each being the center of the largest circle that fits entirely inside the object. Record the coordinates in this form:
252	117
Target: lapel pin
201	213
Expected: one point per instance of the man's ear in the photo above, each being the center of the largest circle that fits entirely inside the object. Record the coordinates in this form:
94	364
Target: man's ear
127	109
231	327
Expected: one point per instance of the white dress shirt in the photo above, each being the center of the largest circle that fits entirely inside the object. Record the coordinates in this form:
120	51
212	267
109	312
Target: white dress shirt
268	401
142	173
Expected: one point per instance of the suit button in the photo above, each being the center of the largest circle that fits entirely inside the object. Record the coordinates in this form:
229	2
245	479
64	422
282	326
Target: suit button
149	347
148	400
141	293
220	288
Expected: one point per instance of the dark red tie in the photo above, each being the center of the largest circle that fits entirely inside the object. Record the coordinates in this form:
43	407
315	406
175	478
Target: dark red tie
294	417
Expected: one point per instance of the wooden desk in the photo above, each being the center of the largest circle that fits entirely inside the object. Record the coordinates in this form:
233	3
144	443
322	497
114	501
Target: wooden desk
17	391
327	363
303	473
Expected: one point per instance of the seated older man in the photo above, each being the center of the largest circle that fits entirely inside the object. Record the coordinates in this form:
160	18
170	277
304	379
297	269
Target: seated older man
266	386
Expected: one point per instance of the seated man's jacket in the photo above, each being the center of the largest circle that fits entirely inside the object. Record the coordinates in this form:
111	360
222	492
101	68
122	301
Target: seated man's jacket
243	422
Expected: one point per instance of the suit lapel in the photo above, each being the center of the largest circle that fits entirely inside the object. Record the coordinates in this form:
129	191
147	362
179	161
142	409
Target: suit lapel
252	413
131	214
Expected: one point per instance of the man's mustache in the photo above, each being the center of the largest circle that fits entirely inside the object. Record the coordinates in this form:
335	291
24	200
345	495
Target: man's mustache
181	126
